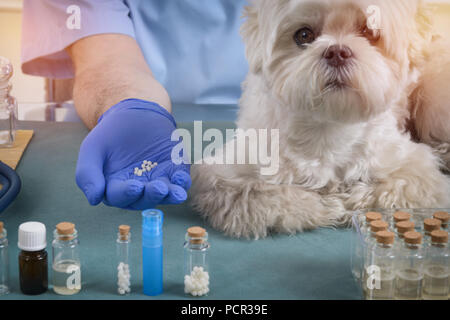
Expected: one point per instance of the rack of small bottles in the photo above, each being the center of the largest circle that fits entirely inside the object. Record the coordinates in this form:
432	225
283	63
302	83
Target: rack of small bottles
402	254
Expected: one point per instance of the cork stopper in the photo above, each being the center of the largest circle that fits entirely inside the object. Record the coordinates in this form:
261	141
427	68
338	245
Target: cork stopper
124	231
413	237
65	228
431	224
401	216
197	233
405	226
385	237
378	225
1	227
372	216
442	215
439	236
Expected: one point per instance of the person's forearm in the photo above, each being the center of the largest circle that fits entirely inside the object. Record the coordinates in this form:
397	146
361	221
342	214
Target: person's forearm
108	69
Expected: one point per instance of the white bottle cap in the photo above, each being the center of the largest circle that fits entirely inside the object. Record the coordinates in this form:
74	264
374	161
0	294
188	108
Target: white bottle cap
32	236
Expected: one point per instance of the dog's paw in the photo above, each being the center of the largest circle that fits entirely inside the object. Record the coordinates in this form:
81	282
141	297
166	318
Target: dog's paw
432	191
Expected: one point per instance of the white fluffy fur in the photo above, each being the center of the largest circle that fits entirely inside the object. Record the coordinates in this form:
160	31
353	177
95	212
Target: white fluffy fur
339	149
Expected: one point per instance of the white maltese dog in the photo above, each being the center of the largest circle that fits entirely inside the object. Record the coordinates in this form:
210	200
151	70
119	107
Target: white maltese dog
345	96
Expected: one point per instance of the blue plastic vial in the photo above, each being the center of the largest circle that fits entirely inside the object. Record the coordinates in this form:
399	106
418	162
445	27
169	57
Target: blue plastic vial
152	251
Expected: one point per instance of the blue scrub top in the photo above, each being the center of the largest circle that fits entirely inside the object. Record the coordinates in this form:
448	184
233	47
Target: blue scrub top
192	46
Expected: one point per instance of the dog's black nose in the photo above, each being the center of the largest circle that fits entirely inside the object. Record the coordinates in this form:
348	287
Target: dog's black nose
337	56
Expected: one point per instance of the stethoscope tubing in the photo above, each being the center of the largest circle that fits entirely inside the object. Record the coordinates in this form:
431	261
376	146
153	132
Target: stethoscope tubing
11	186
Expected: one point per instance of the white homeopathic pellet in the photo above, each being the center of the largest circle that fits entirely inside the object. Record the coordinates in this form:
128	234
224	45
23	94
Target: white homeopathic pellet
123	278
146	166
197	283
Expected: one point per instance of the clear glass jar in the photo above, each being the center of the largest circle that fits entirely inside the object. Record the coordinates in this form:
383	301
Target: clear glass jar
8	105
379	268
196	267
374	227
123	260
369	217
4	261
430	225
402	227
436	279
370	244
444	217
400	216
358	246
66	260
409	268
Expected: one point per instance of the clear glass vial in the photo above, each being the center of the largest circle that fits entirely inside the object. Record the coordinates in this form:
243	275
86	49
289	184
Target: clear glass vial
361	224
430	225
400	216
123	259
66	260
196	266
380	268
402	227
375	226
4	261
370	244
8	105
33	259
369	217
444	217
436	279
358	245
409	268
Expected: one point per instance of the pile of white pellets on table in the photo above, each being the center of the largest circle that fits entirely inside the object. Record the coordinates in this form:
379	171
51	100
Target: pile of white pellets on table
197	283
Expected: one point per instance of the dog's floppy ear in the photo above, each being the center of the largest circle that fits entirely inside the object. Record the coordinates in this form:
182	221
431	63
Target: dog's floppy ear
250	32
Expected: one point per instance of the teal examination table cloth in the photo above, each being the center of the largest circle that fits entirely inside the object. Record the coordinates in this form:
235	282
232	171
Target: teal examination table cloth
310	265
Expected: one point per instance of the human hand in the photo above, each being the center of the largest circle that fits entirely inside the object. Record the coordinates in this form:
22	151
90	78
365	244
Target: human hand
127	134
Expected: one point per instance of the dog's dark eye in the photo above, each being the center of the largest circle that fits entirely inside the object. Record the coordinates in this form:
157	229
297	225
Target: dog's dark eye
370	34
303	36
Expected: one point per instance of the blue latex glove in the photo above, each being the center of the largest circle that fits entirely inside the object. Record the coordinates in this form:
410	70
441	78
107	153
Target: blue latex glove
127	134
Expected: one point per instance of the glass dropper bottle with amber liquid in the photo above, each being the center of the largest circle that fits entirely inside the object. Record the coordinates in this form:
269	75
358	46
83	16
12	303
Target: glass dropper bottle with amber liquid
33	260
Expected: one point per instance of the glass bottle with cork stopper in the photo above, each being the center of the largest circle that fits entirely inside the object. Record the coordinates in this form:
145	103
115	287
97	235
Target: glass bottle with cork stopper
444	217
436	279
33	259
371	242
376	226
66	259
196	266
370	216
400	216
409	268
4	261
359	241
123	259
402	227
429	225
380	268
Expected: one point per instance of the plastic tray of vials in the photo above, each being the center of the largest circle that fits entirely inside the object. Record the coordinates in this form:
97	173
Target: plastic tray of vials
401	254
